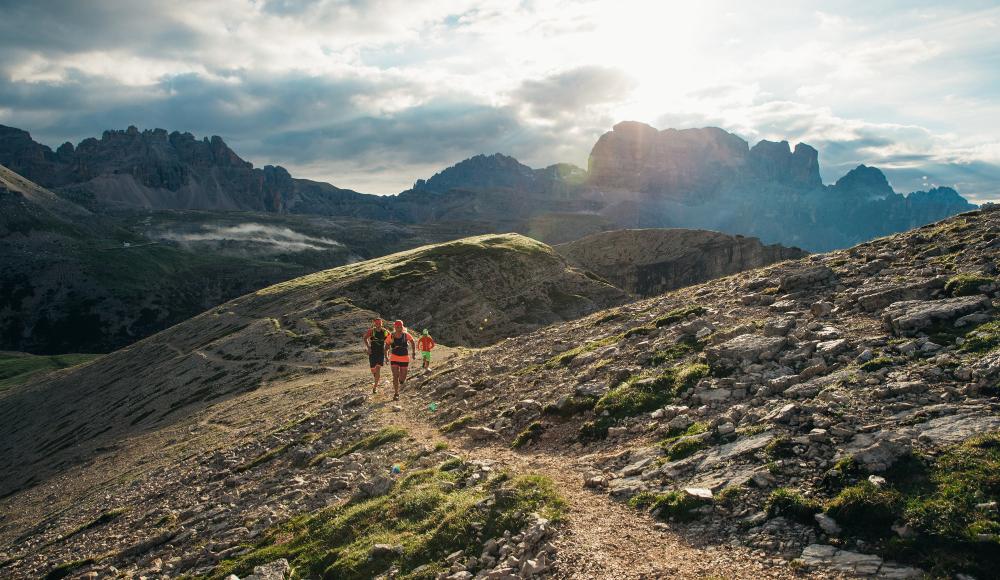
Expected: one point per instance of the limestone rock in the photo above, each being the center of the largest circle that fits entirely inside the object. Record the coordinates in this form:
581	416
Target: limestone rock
911	316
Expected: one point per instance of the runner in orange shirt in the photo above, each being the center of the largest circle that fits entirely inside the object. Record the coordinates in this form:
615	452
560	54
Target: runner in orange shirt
399	355
425	344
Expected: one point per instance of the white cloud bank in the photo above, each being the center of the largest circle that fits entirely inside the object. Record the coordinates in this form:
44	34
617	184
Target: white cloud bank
371	94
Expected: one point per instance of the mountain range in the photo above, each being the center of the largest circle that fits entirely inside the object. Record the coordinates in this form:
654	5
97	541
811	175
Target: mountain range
637	176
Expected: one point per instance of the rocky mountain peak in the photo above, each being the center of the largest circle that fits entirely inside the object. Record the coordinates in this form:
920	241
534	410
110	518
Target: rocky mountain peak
776	162
864	182
679	162
481	172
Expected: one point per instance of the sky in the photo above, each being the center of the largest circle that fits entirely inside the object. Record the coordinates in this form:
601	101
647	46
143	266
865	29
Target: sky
374	94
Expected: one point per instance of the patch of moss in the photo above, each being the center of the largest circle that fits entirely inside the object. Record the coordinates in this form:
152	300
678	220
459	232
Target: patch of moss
637	395
730	495
843	472
781	447
456	424
685	447
865	509
453	463
984	338
946	501
678	314
966	284
676	506
792	505
688	376
878	363
530	434
674	353
64	570
595	430
385	435
425	517
563	359
755	429
673	435
574	405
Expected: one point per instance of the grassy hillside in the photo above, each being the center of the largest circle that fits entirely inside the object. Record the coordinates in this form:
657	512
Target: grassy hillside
18	367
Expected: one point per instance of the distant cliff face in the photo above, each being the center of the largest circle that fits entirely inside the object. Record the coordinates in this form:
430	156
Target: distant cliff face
154	169
680	163
654	261
708	178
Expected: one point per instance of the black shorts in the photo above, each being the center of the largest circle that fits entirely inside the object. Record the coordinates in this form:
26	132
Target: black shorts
400	364
376	359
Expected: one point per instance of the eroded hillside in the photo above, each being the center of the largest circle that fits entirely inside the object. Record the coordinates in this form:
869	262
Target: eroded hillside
825	417
831	411
654	261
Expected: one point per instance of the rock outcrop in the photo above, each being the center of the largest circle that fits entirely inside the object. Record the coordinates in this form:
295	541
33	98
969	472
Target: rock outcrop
653	261
154	169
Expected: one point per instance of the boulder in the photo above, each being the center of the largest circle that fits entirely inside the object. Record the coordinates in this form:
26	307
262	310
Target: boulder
806	278
823	556
375	487
882	454
277	570
874	301
911	316
748	348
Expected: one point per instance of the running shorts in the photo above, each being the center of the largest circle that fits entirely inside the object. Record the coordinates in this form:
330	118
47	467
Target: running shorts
376	358
426	354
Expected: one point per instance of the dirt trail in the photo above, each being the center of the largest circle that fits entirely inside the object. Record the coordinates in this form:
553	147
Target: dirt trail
601	538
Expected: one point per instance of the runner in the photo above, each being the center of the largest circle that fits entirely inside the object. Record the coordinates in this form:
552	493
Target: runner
425	344
374	341
400	355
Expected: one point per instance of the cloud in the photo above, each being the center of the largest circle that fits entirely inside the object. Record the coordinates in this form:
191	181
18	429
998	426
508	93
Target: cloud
380	92
570	92
257	238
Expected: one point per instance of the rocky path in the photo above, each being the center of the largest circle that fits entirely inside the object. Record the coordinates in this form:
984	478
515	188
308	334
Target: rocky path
601	538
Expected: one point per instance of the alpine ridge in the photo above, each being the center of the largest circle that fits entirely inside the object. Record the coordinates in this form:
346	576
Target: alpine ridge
637	177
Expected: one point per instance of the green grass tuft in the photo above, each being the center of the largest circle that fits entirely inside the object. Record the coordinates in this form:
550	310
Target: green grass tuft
636	396
64	570
575	405
425	517
689	375
792	505
685	447
457	424
678	314
966	284
878	363
595	430
673	505
385	435
984	338
865	509
530	434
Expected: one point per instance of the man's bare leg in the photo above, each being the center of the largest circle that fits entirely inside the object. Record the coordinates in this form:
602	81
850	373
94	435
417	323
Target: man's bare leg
376	372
